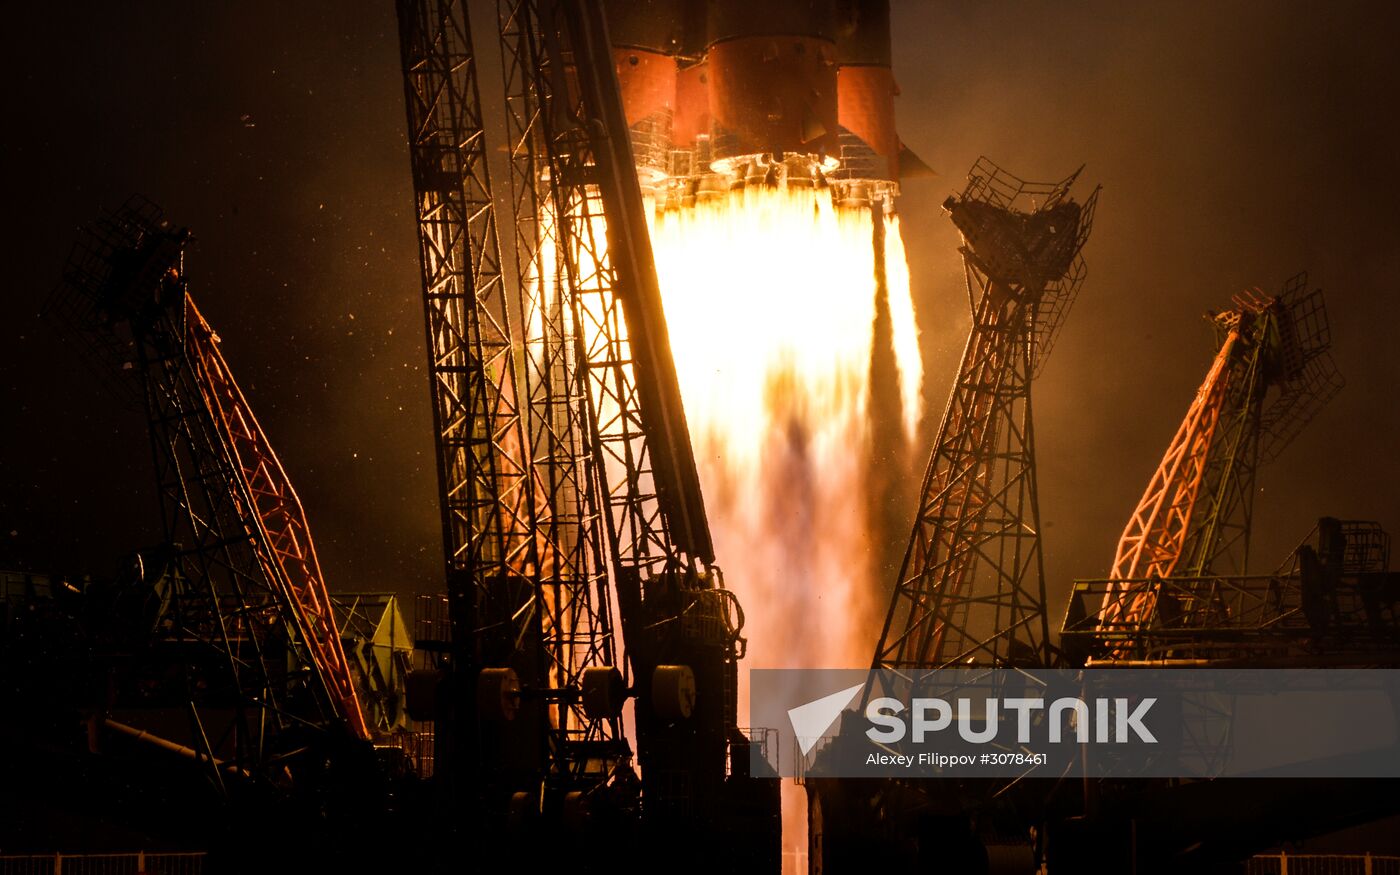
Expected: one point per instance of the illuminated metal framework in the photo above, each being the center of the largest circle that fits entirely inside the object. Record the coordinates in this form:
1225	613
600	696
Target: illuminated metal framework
1334	601
971	589
673	607
600	492
483	462
244	593
1270	375
606	312
656	513
576	617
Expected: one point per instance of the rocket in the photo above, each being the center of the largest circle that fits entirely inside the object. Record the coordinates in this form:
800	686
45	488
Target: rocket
721	93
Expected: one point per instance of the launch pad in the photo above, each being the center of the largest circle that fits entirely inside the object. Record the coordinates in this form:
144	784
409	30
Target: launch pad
676	386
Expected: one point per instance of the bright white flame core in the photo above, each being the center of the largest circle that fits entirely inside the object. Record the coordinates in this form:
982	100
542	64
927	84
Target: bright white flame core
904	331
770	303
770	298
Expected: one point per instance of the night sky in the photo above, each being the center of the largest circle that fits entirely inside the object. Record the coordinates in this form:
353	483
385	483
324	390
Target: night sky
1237	143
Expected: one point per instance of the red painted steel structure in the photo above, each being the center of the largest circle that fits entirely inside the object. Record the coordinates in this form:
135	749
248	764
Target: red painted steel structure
278	516
1269	376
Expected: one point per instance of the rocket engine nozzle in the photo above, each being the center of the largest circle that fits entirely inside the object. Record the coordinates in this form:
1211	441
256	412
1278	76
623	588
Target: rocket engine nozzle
799	88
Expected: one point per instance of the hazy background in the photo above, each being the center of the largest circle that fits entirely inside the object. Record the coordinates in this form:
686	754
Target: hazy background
1237	143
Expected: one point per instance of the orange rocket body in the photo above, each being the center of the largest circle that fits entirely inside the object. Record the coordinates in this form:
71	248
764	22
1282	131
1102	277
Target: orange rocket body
734	86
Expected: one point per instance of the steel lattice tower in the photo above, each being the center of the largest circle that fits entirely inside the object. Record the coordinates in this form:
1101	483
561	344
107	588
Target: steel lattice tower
599	342
1195	516
577	621
1271	373
971	588
243	607
569	487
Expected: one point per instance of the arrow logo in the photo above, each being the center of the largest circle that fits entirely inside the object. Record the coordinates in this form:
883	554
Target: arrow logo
811	721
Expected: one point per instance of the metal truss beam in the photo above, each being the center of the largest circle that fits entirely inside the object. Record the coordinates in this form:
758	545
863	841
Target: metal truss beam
484	478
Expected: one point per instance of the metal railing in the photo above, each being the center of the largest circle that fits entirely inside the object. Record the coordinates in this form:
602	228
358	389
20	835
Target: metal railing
1322	864
139	863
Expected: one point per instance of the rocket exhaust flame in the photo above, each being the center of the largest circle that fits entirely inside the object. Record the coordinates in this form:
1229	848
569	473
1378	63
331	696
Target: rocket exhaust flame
770	299
770	295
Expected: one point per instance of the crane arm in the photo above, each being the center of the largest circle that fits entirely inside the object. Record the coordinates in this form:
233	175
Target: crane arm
245	585
279	524
1193	520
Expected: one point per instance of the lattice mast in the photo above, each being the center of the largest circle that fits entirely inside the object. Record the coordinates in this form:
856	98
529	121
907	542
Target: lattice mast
1271	373
483	464
971	588
598	497
577	622
246	585
680	626
652	485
